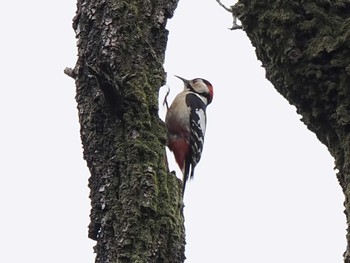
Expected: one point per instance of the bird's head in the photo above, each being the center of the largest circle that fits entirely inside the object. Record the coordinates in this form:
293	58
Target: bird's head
199	86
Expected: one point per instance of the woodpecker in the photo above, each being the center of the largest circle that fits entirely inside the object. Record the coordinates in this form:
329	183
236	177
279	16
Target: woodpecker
186	122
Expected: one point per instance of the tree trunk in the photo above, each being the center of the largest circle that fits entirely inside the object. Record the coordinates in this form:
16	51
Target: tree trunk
136	213
305	48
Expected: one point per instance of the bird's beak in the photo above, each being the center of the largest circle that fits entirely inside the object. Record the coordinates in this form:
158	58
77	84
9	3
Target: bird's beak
184	80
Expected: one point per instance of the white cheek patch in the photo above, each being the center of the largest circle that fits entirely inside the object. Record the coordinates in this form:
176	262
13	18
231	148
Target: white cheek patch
200	87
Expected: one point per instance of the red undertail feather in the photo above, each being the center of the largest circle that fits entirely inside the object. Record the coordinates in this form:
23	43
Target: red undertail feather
180	148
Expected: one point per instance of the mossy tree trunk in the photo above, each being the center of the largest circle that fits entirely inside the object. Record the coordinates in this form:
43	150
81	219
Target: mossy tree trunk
305	48
136	213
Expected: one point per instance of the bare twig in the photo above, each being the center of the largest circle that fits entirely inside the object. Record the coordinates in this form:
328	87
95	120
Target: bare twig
70	72
165	102
234	25
221	4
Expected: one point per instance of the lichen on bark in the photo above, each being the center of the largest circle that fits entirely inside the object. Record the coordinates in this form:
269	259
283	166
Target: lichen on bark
136	213
304	47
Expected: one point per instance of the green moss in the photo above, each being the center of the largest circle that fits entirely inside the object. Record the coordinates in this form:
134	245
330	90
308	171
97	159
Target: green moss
305	49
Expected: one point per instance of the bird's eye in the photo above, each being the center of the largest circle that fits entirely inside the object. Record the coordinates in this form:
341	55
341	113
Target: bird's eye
195	81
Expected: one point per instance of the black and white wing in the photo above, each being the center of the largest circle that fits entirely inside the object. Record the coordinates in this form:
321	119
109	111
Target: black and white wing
198	121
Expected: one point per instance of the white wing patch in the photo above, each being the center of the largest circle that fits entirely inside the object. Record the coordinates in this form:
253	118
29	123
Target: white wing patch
197	135
202	121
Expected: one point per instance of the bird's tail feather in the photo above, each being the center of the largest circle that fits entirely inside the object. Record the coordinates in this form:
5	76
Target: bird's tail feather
186	172
183	188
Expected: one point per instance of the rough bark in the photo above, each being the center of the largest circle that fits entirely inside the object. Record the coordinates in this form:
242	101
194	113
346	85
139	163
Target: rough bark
136	213
305	48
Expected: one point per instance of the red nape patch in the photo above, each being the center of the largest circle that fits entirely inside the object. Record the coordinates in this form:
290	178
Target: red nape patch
211	91
180	148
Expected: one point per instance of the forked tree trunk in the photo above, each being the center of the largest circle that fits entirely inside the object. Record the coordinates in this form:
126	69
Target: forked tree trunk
305	48
136	213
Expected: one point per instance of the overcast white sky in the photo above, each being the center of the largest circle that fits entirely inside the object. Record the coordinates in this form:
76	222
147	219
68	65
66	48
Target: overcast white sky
264	191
